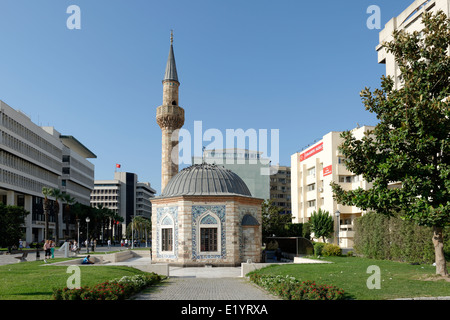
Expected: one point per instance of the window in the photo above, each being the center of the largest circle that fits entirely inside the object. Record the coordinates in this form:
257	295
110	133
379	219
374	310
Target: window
209	233
312	171
311	187
166	239
311	203
208	239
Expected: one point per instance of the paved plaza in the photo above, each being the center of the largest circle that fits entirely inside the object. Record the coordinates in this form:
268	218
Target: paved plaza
193	283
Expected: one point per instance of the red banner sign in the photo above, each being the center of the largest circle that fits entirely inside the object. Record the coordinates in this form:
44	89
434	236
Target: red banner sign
309	153
327	170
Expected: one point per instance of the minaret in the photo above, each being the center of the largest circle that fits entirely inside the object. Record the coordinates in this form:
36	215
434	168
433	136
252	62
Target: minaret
170	117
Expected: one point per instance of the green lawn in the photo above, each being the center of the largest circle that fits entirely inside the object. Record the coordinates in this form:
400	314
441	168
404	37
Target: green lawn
34	280
398	280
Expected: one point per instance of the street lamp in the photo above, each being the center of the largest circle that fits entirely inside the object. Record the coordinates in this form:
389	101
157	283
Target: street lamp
132	232
337	213
87	234
78	226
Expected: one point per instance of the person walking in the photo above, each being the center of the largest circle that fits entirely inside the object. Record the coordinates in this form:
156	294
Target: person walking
47	250
52	248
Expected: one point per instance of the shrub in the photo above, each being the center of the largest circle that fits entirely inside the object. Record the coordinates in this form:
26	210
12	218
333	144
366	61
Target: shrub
330	249
350	254
318	248
118	289
289	288
391	238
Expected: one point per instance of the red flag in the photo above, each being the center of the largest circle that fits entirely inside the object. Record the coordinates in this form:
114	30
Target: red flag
117	165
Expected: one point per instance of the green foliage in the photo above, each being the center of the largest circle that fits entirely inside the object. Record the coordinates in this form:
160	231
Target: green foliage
322	224
318	248
118	289
11	220
273	222
289	288
330	249
381	237
306	230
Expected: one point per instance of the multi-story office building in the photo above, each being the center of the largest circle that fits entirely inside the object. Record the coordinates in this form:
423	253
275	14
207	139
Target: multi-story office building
124	195
312	171
409	21
33	157
144	192
280	188
247	164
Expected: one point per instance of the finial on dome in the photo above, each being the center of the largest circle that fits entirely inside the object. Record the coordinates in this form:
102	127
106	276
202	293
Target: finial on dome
171	37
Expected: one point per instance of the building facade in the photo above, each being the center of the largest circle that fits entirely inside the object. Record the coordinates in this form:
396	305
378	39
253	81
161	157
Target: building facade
247	164
409	20
124	195
280	189
34	157
312	171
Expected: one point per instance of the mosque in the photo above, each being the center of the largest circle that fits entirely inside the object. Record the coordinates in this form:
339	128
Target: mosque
205	214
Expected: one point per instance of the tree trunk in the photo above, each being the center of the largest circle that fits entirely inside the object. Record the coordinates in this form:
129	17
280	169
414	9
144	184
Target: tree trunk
46	215
438	242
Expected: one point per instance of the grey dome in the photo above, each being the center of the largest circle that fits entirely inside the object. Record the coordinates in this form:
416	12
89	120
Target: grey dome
205	179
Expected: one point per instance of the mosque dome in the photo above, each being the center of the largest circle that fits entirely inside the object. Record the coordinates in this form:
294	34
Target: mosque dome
205	179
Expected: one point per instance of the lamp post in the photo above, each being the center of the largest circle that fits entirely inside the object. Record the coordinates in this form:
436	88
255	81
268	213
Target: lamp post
78	227
337	213
87	234
132	232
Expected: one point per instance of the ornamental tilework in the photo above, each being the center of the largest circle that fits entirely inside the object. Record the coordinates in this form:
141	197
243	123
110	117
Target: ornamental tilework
197	212
165	217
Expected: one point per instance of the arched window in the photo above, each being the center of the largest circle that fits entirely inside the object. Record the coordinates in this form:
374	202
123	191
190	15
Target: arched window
167	234
174	103
209	233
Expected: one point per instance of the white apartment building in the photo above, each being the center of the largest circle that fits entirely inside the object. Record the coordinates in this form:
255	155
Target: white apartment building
410	21
33	157
124	195
312	171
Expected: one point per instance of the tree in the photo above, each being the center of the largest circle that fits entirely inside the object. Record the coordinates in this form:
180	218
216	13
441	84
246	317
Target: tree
140	226
47	192
411	142
322	224
68	200
12	219
273	222
58	195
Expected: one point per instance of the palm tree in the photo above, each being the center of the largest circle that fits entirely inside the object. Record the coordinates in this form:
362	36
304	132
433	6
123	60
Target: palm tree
58	195
68	200
46	192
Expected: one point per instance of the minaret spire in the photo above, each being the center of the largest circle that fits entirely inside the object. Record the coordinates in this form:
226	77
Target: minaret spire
170	117
171	67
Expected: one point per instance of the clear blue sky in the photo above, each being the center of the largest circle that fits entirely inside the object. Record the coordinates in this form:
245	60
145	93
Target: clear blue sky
296	66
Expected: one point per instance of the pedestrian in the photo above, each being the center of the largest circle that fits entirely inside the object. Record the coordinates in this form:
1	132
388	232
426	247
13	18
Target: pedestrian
47	250
52	248
109	244
20	244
